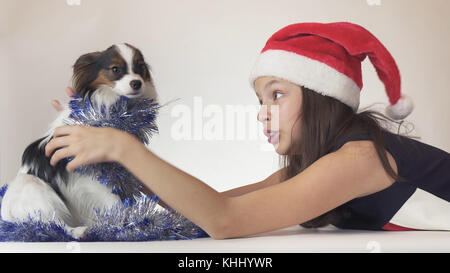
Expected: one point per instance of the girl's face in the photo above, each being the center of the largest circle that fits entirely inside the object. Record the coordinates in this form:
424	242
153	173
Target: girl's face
281	103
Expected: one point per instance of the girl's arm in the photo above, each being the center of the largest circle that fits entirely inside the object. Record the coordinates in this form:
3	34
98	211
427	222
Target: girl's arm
273	179
354	170
270	180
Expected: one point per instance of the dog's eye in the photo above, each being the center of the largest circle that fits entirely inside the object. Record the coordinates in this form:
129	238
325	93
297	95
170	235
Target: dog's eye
115	69
142	66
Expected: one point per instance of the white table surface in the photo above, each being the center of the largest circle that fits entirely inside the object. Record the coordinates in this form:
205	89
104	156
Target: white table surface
292	239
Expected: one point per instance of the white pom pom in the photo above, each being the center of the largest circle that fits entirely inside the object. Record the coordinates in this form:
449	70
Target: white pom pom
401	109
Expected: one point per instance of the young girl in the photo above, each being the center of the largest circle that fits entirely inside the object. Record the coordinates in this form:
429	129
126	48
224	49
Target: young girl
340	167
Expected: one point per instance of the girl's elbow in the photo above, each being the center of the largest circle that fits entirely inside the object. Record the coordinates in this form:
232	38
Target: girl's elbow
217	237
220	230
223	223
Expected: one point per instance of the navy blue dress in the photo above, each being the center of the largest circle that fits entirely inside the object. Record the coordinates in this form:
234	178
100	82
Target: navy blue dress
420	203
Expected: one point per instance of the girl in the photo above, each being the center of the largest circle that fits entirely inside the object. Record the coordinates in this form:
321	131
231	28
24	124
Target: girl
340	167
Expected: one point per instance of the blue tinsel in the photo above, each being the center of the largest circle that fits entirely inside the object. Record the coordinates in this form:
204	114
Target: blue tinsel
137	220
137	217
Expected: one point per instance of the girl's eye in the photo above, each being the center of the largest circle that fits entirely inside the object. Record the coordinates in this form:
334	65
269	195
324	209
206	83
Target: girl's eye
275	94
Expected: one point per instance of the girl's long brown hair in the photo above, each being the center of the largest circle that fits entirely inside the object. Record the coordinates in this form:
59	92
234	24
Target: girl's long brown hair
324	122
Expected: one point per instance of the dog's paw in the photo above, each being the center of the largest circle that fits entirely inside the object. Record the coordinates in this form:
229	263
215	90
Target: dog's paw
77	232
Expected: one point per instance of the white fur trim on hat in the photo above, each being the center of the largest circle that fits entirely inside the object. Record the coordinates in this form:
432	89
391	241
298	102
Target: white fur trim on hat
401	109
307	72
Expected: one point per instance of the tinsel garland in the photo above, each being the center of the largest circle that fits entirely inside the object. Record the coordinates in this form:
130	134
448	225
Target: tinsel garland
138	217
138	220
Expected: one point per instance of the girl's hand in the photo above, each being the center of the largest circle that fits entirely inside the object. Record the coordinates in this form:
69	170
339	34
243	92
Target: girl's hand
57	105
87	145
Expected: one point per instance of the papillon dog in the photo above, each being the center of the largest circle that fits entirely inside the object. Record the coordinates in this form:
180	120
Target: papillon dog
45	192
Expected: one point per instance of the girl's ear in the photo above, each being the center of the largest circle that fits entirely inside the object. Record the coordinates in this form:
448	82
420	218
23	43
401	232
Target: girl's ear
84	72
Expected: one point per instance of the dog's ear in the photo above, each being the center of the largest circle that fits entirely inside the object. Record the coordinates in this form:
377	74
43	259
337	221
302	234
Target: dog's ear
83	72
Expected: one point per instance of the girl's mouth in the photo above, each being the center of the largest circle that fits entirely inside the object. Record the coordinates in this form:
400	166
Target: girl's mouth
273	137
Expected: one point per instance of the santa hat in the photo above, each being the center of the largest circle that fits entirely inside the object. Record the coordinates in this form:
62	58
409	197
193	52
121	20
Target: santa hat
326	58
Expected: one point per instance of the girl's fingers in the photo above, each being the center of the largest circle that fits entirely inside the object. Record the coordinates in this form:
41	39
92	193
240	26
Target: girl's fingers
69	91
60	154
57	105
56	143
75	163
64	130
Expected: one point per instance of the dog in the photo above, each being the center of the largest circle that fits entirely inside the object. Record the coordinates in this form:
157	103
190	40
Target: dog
44	192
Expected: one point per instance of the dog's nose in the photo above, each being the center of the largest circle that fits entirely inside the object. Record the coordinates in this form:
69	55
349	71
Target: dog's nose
136	84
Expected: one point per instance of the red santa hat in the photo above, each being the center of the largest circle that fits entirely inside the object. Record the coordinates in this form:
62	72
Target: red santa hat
326	58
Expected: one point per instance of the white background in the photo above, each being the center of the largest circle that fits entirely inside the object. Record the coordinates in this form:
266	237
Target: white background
206	48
